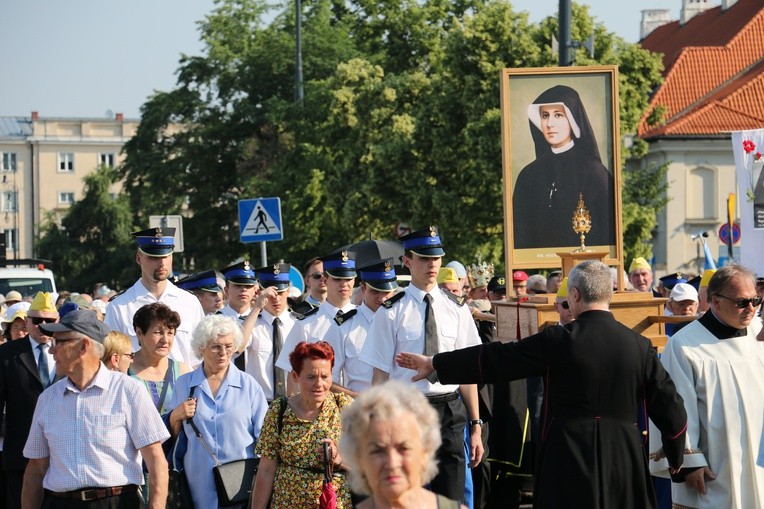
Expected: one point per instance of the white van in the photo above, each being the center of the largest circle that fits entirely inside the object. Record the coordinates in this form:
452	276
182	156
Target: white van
26	277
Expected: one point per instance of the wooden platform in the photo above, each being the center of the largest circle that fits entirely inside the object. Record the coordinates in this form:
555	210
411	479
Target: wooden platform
637	310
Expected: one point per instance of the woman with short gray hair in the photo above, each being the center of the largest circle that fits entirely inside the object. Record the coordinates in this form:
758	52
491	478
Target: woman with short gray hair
226	405
389	438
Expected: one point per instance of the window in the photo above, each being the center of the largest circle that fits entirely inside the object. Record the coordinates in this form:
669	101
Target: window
8	201
66	198
107	159
9	161
65	161
10	239
701	194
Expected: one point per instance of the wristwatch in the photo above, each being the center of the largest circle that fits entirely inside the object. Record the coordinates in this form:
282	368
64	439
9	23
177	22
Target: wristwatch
478	422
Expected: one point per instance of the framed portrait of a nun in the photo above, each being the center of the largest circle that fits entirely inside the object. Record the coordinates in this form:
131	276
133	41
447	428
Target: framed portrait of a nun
561	163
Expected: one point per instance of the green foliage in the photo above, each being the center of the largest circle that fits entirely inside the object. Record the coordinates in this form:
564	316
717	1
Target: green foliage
92	242
400	122
644	196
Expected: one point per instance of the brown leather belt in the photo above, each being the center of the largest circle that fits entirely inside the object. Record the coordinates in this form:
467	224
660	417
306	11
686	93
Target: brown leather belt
90	494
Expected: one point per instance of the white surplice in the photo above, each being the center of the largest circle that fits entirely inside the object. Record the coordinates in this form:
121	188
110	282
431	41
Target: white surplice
722	383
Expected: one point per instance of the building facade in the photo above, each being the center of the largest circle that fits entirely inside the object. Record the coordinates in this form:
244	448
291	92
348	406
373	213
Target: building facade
44	161
713	85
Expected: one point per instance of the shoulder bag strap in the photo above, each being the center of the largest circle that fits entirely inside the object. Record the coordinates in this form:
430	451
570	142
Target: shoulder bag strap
199	433
168	375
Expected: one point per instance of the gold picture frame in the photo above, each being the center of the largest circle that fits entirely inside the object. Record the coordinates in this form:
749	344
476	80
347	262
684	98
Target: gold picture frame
536	107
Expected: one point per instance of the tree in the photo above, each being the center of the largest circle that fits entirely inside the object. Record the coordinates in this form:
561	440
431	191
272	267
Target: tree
92	242
400	122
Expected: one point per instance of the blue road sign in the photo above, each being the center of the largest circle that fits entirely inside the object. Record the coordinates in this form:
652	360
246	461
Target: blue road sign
260	220
296	278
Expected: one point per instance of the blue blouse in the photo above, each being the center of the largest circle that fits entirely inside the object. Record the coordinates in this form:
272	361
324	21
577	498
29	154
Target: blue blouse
230	422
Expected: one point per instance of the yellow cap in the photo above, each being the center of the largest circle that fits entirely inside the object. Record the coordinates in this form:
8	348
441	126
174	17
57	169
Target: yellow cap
447	275
706	277
562	292
43	301
639	263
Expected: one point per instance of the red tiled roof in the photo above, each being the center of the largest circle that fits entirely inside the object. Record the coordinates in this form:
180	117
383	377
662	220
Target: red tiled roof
713	84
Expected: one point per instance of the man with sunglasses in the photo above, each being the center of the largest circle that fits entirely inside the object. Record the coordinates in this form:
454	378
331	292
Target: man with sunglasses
26	369
717	365
315	282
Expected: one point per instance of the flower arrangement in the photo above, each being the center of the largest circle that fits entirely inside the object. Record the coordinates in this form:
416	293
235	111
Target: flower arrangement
749	147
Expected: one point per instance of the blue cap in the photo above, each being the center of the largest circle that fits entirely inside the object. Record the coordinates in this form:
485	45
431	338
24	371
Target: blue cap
276	275
672	280
157	241
425	242
379	275
67	308
206	281
340	265
240	274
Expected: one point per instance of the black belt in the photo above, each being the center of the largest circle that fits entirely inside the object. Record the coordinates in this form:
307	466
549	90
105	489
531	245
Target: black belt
90	494
442	398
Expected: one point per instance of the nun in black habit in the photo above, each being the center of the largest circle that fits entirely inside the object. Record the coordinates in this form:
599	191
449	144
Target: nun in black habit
567	164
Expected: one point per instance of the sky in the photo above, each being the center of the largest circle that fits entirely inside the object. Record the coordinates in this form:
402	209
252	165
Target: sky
84	58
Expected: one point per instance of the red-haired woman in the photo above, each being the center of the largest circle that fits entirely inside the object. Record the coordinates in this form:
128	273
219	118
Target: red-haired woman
291	442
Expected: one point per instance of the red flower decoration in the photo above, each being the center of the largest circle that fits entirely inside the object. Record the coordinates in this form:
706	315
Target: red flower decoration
757	156
748	146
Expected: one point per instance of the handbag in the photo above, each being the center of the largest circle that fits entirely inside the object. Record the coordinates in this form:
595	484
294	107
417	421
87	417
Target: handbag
233	480
328	498
178	490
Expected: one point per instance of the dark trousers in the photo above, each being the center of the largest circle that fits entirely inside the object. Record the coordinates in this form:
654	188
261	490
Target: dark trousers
123	501
451	464
15	481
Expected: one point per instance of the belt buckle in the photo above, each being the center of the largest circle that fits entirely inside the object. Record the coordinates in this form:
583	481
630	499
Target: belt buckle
87	495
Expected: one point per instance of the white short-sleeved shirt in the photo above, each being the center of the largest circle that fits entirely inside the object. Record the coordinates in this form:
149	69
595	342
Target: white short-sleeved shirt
314	329
120	312
260	349
351	336
400	328
93	437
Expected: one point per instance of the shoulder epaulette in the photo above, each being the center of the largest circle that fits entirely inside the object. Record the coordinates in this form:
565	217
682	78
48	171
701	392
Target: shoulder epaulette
344	317
301	307
303	316
455	298
392	300
117	295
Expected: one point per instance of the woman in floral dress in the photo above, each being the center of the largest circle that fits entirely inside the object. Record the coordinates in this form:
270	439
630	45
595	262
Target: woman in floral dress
291	469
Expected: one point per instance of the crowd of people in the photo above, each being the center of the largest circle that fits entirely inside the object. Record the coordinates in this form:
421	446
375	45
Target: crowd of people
382	389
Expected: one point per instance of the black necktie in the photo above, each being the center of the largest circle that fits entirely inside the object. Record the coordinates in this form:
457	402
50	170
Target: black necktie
42	365
278	373
430	328
239	361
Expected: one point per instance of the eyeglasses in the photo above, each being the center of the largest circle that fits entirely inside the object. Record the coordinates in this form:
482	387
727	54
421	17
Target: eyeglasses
130	354
317	275
743	303
38	320
60	341
218	348
565	304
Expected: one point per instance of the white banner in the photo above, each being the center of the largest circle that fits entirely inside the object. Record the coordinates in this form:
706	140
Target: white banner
748	148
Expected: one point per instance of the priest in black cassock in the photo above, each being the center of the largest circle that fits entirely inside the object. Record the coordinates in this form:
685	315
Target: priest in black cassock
597	372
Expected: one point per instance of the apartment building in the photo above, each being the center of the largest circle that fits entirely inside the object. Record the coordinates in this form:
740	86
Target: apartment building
43	161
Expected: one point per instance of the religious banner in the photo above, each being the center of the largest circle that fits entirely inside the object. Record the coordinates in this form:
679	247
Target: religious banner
561	164
748	148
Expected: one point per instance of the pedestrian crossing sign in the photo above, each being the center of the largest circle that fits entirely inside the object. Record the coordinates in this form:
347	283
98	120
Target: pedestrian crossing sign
260	220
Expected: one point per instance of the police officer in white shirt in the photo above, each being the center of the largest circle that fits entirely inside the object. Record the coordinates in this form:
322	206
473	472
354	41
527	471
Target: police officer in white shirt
270	330
340	272
429	319
378	283
155	247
